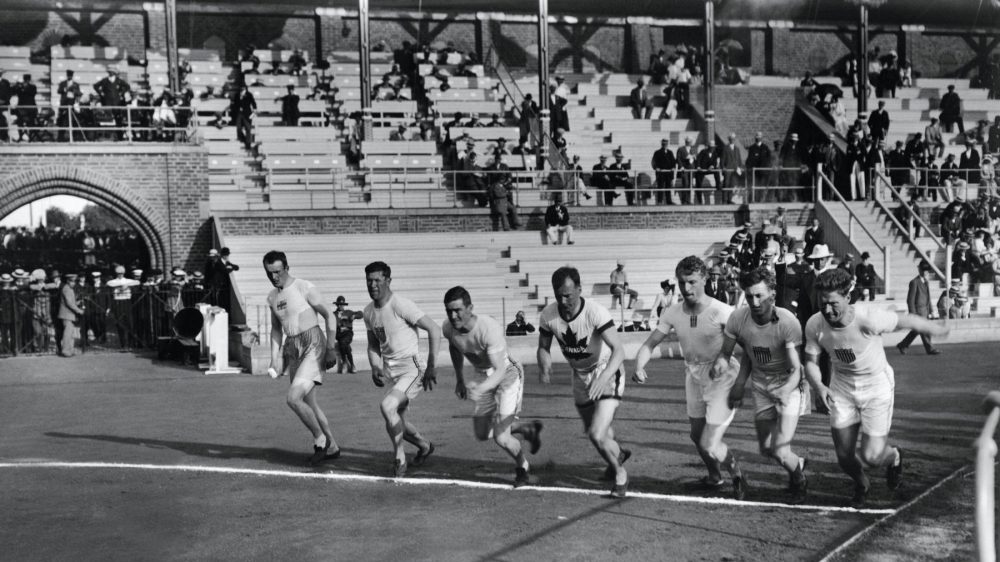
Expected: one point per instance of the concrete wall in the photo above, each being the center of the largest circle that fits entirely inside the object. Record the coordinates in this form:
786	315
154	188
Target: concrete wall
161	190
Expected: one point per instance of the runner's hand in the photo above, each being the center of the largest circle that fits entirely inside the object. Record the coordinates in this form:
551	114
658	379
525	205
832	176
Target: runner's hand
377	377
824	395
460	390
639	376
430	378
544	376
720	368
330	359
736	396
597	387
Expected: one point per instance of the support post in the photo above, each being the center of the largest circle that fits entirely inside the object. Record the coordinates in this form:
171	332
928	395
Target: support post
364	50
709	85
862	78
543	83
172	61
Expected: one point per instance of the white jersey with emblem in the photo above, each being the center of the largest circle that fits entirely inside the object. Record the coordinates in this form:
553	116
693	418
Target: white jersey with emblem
700	335
292	307
580	337
395	327
766	344
855	349
484	339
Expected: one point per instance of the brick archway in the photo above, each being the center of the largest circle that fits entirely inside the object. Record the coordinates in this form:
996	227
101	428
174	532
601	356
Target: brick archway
22	188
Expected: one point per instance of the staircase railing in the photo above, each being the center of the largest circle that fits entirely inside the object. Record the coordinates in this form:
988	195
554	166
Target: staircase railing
846	241
908	232
986	454
506	80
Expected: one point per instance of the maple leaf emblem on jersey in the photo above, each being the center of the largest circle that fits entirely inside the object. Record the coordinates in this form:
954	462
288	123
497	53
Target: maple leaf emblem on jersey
573	348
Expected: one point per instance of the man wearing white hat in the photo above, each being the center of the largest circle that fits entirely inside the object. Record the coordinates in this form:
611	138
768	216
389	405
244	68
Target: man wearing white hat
121	306
619	286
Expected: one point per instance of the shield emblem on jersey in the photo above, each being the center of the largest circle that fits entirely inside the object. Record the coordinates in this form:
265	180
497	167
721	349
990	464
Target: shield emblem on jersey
762	355
845	355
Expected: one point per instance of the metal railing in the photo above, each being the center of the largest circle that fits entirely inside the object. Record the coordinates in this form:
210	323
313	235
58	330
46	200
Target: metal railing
958	181
423	188
821	205
907	231
986	453
89	123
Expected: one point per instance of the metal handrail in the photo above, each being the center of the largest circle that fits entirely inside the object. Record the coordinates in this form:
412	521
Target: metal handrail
73	128
986	453
921	253
852	218
909	210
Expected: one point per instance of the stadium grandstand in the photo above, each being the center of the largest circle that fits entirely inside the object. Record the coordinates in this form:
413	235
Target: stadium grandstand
485	144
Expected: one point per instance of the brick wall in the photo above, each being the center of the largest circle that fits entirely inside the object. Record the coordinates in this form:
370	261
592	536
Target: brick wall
41	29
132	181
236	31
256	223
748	110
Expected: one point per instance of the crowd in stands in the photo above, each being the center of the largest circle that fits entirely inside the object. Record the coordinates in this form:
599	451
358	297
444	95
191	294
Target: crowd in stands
110	305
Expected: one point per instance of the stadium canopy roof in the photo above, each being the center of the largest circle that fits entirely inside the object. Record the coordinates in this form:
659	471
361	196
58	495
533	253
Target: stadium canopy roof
952	13
936	13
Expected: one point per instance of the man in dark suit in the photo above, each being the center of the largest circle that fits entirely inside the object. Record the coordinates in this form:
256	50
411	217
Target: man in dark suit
709	162
27	110
290	107
968	163
759	158
638	100
951	111
6	92
664	164
918	302
878	122
600	179
114	92
69	95
716	287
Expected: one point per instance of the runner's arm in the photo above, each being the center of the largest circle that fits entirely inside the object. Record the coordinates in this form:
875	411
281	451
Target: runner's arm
375	358
276	343
814	377
544	356
458	363
922	325
725	355
433	344
645	353
498	361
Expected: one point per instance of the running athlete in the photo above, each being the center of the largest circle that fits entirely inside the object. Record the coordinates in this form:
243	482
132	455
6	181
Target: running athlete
770	338
392	323
699	321
862	388
296	307
499	385
586	335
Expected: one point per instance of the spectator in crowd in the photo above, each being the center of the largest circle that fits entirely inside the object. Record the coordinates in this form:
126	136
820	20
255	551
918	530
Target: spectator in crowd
709	163
6	92
918	302
527	119
69	95
808	81
864	274
732	165
497	194
717	287
557	222
519	327
639	101
813	236
759	158
964	265
114	92
686	157
664	165
289	107
793	160
878	122
620	287
619	176
876	161
345	334
242	107
969	163
899	165
69	315
951	110
26	110
933	138
666	297
121	309
600	179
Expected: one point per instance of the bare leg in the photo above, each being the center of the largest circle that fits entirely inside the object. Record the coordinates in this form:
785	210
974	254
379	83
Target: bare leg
296	400
321	418
597	419
845	440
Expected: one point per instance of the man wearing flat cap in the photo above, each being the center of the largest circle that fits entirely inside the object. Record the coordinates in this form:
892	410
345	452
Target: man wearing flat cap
69	314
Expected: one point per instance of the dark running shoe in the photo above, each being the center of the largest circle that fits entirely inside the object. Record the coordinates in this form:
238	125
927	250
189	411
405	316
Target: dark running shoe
739	488
623	455
319	453
800	490
705	483
799	473
422	455
521	478
894	472
619	491
534	437
398	468
860	497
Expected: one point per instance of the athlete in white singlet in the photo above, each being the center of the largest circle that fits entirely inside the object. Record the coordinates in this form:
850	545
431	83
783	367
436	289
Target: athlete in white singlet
699	321
498	386
296	307
861	391
587	337
770	337
392	323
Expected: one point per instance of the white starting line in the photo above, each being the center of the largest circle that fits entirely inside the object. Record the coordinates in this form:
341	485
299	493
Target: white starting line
349	477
